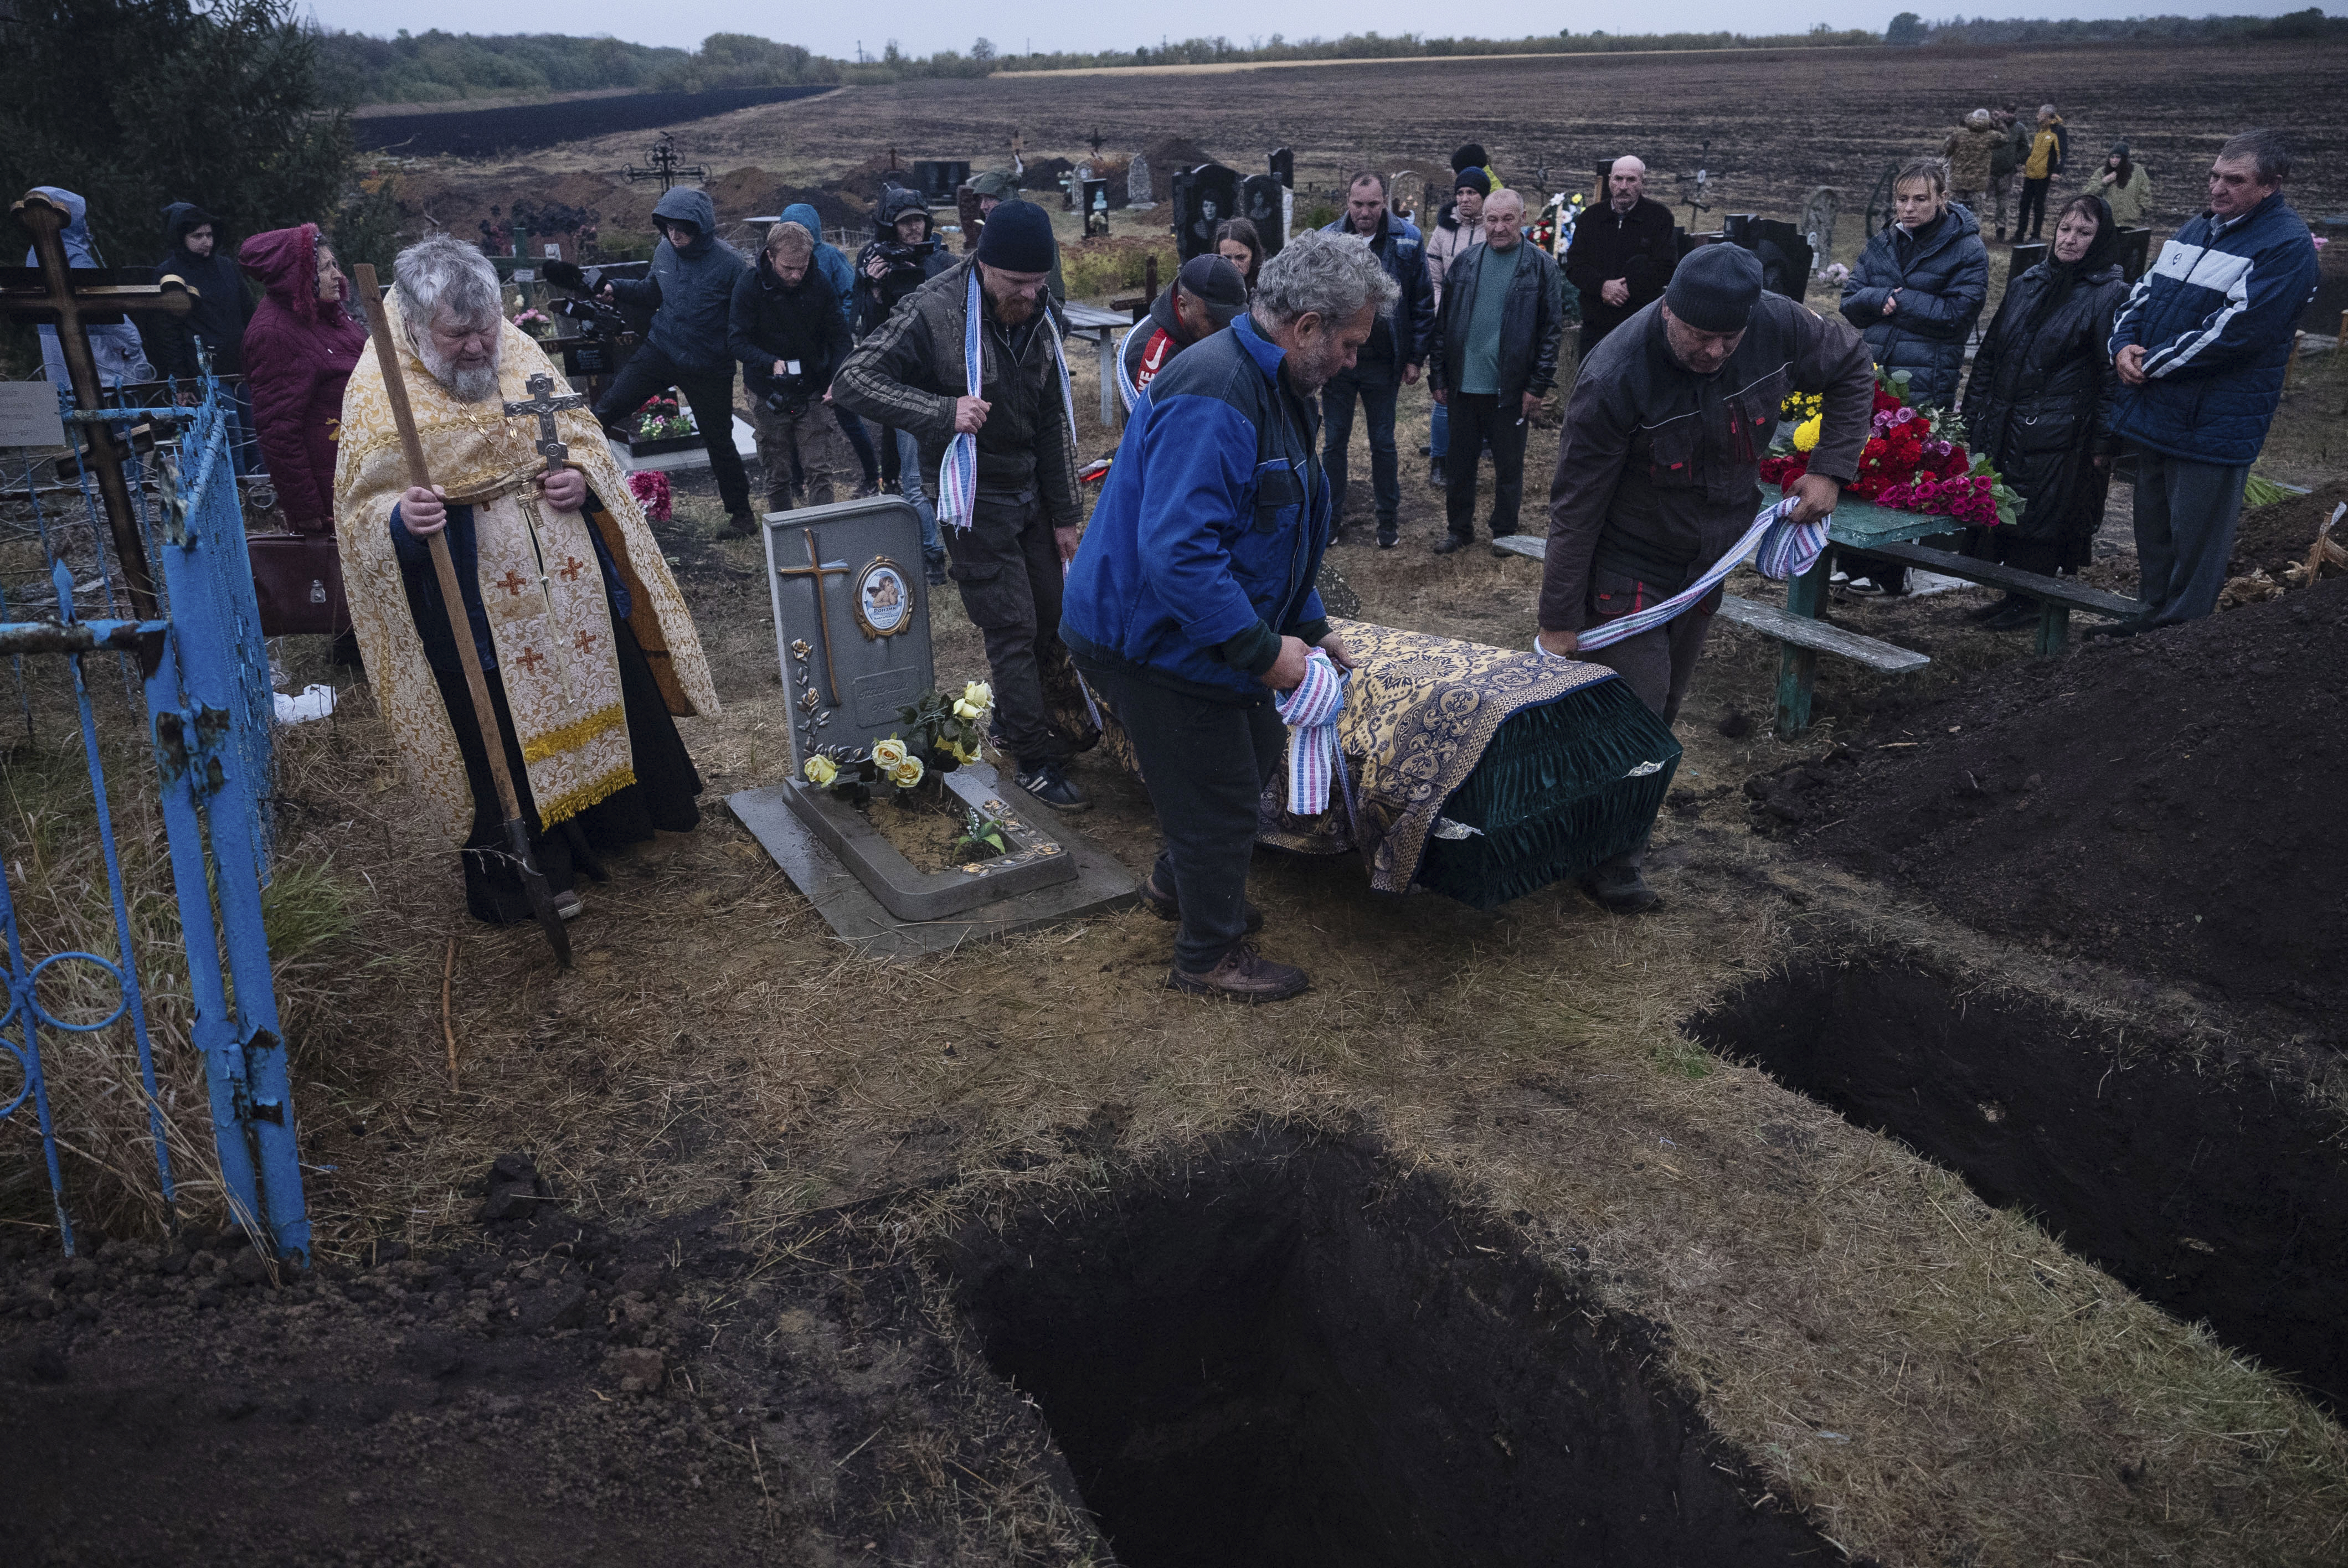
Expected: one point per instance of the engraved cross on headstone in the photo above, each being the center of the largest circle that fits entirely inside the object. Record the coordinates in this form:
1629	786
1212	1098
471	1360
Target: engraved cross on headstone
546	405
814	571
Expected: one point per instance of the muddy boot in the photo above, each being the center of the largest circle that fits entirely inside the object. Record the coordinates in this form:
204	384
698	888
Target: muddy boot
1167	906
742	525
1620	889
1242	975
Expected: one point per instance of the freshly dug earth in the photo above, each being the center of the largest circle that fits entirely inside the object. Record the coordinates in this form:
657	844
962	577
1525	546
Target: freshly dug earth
2159	804
554	1392
2276	537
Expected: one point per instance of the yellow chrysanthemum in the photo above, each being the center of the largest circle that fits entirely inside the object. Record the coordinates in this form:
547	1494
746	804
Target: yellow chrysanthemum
820	772
1805	435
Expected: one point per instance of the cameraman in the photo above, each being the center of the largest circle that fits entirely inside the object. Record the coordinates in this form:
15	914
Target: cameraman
786	330
691	291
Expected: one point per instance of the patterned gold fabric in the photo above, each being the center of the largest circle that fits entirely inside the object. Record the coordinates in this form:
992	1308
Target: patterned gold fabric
539	582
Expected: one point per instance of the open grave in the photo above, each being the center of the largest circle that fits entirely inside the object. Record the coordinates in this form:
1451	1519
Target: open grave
1286	1350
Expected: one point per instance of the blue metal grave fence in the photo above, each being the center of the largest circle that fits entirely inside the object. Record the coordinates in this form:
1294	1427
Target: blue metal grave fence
203	668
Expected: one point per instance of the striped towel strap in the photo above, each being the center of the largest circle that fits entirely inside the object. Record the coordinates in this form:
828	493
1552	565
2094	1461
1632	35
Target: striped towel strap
1125	390
958	472
1785	549
1315	755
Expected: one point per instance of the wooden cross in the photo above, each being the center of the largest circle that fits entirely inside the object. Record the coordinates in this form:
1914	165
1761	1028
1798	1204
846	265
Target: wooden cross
814	571
47	294
546	405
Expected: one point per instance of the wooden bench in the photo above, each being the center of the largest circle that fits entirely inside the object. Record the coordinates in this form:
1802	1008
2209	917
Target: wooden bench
2057	597
1803	637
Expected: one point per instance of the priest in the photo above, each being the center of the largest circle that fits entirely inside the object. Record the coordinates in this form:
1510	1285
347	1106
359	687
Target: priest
584	637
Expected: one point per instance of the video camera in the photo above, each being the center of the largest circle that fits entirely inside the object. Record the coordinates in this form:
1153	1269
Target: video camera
580	285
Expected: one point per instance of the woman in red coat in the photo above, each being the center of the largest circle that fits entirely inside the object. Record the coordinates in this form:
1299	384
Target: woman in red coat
299	349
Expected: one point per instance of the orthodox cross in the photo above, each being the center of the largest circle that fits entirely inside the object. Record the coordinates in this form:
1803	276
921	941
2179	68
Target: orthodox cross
546	405
665	166
814	571
47	294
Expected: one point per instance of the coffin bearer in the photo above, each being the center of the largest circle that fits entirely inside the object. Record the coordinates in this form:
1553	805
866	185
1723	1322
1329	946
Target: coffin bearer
1200	302
1191	602
691	294
1621	254
581	630
912	375
789	332
1658	471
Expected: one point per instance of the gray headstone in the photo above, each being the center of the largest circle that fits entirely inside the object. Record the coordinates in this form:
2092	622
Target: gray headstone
856	649
1138	191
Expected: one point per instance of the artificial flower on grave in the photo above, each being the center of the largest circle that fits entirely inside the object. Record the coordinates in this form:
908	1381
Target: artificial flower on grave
890	754
650	487
982	837
945	730
821	772
534	321
662	417
1915	459
906	774
938	737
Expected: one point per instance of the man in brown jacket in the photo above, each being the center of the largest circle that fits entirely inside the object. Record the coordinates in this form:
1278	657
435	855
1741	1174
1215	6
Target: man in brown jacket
1658	472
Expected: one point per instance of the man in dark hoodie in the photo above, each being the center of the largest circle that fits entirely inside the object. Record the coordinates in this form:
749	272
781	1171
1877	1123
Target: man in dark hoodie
219	305
691	294
788	333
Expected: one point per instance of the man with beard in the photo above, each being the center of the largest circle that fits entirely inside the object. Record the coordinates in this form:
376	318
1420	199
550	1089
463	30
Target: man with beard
582	634
1017	521
1192	600
1202	301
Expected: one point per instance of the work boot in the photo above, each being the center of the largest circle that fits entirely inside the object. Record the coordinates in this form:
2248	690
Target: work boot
1051	785
742	525
1620	890
1449	543
1167	906
934	563
1242	975
1436	475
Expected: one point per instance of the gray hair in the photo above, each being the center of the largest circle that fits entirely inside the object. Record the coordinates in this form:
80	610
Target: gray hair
1332	276
441	275
2267	148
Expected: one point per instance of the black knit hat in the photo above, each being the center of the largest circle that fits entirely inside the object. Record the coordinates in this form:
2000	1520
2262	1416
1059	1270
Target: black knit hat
1716	287
1215	284
1018	239
1474	180
1469	157
2120	150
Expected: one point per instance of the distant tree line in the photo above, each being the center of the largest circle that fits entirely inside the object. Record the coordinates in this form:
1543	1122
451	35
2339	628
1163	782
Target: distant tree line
1909	28
442	68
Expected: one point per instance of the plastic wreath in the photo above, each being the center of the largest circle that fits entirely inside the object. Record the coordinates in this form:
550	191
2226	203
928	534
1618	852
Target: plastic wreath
662	418
1915	459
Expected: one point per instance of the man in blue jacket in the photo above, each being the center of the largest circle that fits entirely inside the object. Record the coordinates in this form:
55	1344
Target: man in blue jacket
691	292
1389	362
1191	601
2200	348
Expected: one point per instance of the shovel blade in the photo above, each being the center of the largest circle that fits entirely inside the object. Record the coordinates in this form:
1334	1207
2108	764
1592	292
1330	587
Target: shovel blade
542	898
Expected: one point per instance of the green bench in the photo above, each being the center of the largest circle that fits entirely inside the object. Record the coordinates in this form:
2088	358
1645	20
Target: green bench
2057	597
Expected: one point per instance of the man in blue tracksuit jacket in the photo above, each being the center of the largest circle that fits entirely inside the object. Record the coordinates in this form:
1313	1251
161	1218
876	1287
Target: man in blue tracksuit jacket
2200	348
1191	601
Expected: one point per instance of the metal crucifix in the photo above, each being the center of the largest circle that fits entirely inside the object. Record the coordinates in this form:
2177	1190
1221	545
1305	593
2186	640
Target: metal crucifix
814	571
546	405
47	294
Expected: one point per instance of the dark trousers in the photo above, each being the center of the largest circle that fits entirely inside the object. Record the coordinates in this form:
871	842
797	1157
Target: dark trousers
2031	216
2184	518
1377	383
1206	764
1008	566
1657	666
1478	419
711	395
859	441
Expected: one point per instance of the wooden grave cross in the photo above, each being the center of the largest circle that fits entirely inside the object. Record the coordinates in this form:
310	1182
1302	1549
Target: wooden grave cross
47	294
542	402
814	571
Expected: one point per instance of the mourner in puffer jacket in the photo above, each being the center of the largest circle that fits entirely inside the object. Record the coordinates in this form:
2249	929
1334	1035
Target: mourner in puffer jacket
300	348
1919	286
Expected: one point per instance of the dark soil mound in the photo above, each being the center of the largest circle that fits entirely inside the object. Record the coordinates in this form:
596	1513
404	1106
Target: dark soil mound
2274	536
1165	155
1045	174
2165	804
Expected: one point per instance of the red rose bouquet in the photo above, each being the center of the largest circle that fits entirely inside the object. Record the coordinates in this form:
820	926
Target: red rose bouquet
1914	461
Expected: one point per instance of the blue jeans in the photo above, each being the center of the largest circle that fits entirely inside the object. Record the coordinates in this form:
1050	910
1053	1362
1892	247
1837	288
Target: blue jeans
909	482
1438	433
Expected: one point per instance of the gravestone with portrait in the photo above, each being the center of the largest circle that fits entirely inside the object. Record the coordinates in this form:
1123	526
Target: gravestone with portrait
1264	202
851	615
1202	198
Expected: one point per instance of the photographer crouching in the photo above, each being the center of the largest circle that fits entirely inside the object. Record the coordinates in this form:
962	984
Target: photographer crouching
691	292
787	329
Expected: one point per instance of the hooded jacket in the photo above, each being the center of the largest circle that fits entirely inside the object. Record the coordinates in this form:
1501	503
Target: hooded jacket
827	260
120	353
1941	274
877	299
1151	346
691	292
1532	323
1639	247
2216	316
2128	198
1451	238
908	375
1207	542
2038	403
1400	335
770	322
299	350
220	304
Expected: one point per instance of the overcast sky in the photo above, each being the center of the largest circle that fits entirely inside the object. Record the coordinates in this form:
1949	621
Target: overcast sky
922	26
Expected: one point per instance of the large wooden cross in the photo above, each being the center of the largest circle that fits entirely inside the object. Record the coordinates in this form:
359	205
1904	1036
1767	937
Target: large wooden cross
542	402
47	294
814	571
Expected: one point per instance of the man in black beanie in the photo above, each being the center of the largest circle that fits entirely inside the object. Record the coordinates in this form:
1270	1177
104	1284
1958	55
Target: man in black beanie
910	375
1658	472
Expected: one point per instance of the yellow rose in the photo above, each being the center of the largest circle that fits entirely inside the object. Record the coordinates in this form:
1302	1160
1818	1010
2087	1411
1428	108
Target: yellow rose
906	773
1805	434
963	753
979	695
890	754
962	709
820	772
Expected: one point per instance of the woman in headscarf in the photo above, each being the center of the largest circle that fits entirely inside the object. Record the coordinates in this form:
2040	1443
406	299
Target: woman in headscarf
2038	404
300	348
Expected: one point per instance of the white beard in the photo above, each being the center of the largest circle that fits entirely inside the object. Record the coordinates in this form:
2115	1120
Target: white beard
473	384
